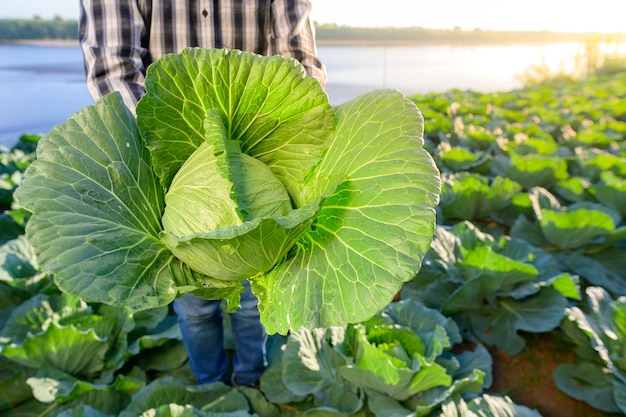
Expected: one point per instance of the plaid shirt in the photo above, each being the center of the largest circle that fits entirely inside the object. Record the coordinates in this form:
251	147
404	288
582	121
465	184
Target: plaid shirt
120	38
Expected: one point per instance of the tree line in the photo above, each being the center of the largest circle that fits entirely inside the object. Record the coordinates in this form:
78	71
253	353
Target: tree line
29	29
58	28
417	34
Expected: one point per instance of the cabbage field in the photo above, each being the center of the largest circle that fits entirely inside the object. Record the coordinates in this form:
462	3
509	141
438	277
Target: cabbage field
530	238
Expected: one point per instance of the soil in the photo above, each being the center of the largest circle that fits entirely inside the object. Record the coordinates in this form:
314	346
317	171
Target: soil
527	378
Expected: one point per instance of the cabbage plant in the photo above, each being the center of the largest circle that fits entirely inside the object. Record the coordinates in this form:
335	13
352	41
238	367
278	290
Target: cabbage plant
236	167
398	362
598	329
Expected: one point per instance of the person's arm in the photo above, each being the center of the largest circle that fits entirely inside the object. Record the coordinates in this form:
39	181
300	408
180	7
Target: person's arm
293	35
110	33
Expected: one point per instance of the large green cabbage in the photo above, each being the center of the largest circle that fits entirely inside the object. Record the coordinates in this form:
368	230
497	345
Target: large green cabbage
236	167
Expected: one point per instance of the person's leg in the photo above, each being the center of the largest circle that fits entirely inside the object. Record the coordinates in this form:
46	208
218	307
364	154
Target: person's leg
249	360
201	325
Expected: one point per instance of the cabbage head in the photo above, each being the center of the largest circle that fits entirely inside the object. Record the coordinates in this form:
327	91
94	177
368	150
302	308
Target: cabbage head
236	167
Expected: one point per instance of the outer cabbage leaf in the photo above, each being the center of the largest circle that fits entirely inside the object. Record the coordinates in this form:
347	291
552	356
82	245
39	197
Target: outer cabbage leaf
605	269
51	385
424	321
395	351
599	383
216	397
565	228
611	191
486	272
9	227
531	170
494	287
594	162
458	158
97	208
574	189
88	347
83	411
486	405
468	196
379	370
619	393
499	325
20	271
588	382
106	401
605	325
381	360
13	385
573	228
371	234
543	145
92	344
310	367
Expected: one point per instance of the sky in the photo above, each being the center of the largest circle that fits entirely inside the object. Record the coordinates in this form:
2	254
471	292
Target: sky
557	15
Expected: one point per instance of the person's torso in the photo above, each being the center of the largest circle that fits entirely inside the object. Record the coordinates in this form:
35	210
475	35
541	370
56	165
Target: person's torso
233	24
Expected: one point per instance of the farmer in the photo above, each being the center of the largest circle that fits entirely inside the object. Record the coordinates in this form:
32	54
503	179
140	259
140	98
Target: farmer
119	39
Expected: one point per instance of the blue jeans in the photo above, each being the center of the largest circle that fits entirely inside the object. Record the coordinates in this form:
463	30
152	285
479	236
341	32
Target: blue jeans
201	324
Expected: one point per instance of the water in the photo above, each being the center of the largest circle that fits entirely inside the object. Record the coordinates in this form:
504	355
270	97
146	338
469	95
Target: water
41	86
435	68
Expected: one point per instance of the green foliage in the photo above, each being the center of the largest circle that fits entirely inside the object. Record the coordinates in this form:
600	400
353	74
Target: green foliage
599	380
564	148
399	359
508	258
468	196
236	167
486	405
13	163
58	352
493	287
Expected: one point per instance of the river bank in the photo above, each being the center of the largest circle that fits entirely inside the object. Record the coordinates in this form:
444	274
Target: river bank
43	42
333	35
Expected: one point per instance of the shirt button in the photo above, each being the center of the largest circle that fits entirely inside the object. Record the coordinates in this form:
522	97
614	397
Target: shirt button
205	13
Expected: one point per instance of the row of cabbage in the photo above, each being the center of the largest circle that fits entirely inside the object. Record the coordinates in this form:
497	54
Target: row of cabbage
61	356
532	231
531	228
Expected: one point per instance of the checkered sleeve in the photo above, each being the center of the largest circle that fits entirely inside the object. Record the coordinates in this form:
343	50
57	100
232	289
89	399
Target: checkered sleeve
293	35
110	37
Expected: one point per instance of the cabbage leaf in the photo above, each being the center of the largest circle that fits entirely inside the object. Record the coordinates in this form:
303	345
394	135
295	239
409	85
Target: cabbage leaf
236	167
600	381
